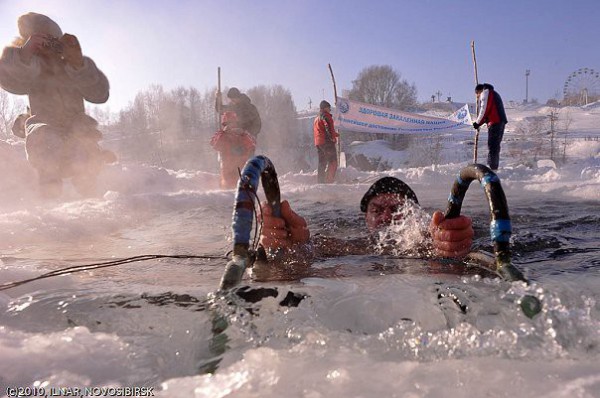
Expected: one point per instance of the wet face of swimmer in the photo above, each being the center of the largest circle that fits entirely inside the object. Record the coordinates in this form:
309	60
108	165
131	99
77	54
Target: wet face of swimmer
382	210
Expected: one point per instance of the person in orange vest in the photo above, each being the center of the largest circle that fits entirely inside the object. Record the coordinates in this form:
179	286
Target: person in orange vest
325	140
235	146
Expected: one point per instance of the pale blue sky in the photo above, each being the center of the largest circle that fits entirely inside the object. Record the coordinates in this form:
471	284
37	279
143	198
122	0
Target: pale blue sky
138	43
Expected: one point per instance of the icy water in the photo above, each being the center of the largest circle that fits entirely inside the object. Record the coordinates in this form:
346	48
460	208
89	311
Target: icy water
368	325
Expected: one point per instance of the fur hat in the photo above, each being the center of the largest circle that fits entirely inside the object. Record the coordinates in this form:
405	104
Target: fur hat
32	23
387	185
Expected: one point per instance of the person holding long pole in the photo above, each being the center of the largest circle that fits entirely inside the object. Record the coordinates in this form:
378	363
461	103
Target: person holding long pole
476	102
219	100
491	111
335	98
325	139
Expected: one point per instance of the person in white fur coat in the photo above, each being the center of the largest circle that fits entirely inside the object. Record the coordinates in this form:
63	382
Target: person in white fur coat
61	140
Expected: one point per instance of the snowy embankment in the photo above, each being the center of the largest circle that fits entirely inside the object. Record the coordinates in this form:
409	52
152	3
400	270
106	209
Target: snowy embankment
524	159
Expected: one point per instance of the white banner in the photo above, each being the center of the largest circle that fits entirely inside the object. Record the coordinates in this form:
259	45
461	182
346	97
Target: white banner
365	118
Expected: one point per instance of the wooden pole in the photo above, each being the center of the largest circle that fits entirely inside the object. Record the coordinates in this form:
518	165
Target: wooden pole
334	85
476	101
339	141
219	99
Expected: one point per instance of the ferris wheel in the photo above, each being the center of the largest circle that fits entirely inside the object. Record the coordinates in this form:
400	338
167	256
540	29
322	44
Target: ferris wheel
582	87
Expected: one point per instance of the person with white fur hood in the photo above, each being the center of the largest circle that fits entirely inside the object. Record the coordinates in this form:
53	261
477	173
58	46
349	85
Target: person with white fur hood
61	140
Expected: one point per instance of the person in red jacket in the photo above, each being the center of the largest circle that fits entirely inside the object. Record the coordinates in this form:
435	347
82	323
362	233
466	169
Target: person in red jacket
325	140
235	146
491	111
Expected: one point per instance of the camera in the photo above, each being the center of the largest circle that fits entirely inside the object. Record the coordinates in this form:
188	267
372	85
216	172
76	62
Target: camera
53	44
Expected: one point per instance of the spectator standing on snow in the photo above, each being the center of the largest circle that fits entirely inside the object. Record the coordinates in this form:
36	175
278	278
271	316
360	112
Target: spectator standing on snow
235	146
246	113
325	139
491	111
61	140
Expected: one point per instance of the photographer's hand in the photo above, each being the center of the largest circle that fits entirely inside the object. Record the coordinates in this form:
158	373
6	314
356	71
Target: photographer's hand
72	50
32	46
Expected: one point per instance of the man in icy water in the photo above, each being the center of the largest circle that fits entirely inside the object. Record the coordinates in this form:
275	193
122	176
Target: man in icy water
60	139
386	202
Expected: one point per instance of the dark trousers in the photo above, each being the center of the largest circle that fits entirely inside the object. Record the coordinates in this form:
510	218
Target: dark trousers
495	133
327	162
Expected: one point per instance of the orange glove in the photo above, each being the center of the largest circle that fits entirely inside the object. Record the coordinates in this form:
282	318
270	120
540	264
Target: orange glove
282	232
452	237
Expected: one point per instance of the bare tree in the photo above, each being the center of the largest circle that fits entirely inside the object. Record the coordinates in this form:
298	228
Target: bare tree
280	138
101	113
169	128
135	119
532	143
10	108
381	85
154	99
173	129
553	118
428	151
567	120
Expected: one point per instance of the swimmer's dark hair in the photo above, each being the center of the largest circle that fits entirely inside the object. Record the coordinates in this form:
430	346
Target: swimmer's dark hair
387	185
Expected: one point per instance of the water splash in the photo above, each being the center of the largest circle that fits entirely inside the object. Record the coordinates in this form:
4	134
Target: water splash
406	235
